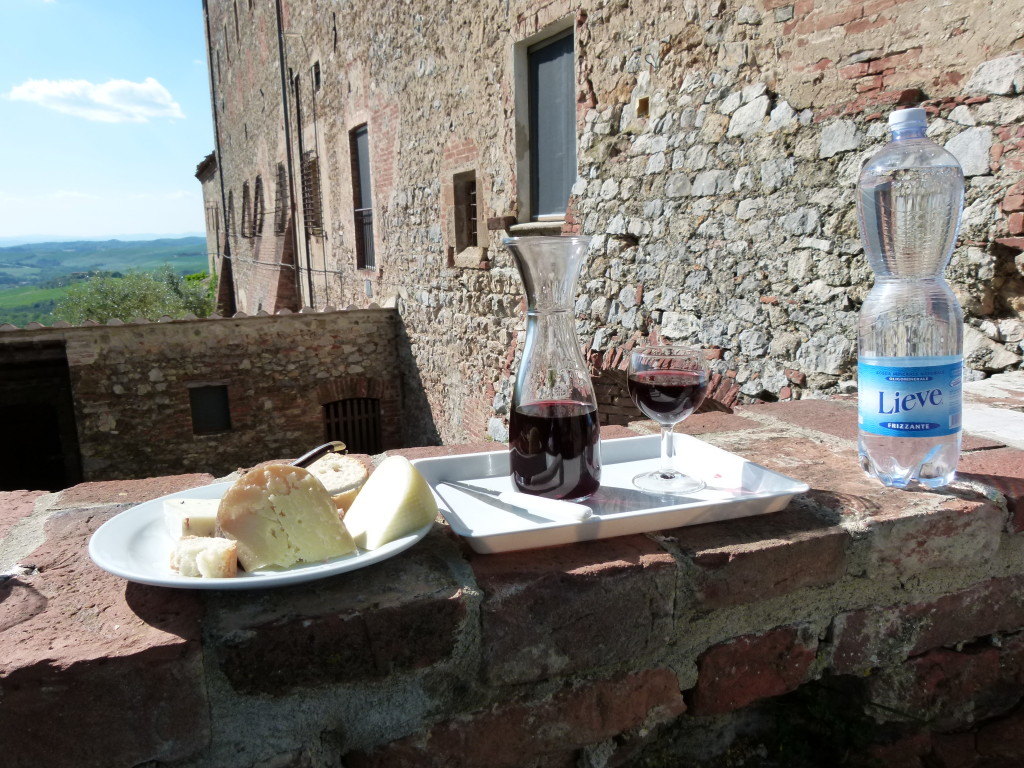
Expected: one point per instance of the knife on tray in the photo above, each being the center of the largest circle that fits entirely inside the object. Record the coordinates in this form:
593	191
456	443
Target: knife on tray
554	509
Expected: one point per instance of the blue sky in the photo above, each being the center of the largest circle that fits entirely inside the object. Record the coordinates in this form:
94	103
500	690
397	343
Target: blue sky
104	115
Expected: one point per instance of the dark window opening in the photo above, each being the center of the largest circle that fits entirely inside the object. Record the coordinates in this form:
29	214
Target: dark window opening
230	223
465	211
258	207
316	75
311	203
211	412
40	451
359	142
356	422
246	203
552	85
280	201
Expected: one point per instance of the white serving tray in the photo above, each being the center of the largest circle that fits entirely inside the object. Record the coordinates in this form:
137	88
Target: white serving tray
735	488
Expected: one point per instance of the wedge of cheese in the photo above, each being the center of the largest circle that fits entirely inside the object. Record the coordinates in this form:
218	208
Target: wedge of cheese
281	515
394	502
209	557
191	517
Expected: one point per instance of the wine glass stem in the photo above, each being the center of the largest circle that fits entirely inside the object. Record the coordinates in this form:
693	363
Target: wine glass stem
668	450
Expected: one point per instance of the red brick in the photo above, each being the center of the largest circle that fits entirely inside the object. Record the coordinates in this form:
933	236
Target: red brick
951	533
865	25
1003	738
905	752
15	505
853	71
1015	223
953	750
127	491
948	689
297	638
1002	469
832	417
81	645
526	732
564	609
883	636
757	558
737	673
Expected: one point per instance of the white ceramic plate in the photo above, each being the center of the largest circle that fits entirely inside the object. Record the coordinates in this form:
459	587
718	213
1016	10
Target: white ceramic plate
735	488
136	545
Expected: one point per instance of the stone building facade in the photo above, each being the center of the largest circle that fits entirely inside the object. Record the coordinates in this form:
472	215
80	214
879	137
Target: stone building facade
380	151
141	399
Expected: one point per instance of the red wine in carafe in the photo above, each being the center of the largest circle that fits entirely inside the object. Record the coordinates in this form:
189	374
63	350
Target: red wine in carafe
554	449
667	396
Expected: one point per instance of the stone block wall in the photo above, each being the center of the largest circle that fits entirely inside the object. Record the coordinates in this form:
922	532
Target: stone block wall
718	144
130	386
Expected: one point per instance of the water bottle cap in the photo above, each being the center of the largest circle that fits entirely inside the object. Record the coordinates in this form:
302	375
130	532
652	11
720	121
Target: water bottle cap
904	117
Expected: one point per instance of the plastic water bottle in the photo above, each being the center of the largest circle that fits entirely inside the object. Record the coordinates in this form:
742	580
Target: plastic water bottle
910	358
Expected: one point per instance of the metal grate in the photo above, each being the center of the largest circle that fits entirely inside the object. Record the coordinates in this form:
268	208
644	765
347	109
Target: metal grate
280	201
311	205
364	239
471	213
356	422
257	207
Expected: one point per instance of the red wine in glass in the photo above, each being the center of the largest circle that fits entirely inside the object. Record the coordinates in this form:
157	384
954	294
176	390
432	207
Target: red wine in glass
669	396
554	449
667	382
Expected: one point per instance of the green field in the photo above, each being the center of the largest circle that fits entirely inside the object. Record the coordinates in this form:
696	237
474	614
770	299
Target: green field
33	278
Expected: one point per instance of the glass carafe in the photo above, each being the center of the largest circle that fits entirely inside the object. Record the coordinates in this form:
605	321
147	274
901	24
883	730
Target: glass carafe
554	440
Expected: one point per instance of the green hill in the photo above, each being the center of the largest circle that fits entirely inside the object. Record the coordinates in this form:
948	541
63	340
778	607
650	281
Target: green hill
34	277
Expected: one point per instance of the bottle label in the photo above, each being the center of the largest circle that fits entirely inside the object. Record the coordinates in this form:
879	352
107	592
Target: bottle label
910	397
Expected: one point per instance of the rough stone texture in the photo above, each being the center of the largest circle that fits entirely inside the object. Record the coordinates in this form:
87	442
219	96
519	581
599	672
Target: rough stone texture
581	594
717	149
566	656
520	733
82	649
130	385
14	505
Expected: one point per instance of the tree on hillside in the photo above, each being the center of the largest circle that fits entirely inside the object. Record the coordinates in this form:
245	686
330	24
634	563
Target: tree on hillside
136	294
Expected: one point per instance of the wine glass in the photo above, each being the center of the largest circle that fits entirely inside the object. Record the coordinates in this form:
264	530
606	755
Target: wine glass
667	382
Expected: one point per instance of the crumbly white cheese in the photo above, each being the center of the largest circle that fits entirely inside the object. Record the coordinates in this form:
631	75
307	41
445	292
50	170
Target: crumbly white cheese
191	517
281	515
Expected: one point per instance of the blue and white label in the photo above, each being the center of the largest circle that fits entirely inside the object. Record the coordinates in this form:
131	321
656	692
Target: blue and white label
910	397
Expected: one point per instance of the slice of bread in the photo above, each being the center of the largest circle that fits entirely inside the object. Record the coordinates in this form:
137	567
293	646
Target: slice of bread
339	474
209	557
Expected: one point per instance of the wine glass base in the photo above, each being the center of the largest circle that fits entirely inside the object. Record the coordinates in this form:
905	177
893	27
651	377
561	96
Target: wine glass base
672	483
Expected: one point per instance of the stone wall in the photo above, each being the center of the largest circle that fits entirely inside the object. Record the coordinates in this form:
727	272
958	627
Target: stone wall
718	147
130	386
862	626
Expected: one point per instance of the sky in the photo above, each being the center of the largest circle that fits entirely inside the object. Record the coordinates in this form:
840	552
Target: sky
104	116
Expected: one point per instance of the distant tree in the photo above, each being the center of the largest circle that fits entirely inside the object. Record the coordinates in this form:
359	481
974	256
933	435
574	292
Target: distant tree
136	294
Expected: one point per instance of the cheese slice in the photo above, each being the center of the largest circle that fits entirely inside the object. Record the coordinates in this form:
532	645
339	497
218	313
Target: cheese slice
191	517
281	515
394	502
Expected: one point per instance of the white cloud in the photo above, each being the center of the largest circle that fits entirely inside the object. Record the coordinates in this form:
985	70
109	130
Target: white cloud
115	101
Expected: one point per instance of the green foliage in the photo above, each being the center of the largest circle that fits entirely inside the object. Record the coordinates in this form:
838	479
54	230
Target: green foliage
36	277
136	294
